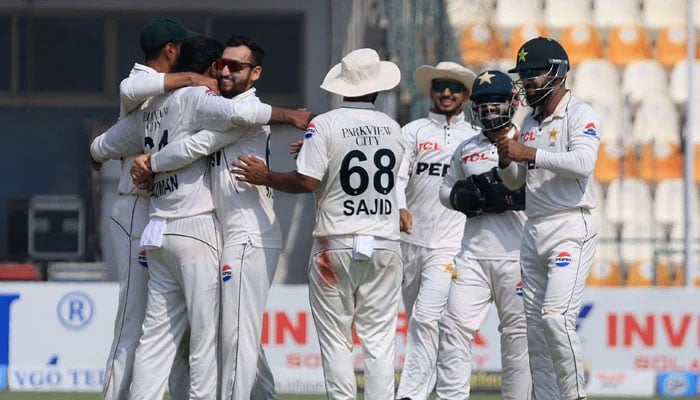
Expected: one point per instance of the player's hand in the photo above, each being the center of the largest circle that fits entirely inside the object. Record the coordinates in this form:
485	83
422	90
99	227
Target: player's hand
295	148
250	169
202	80
300	118
98	165
141	172
405	220
503	143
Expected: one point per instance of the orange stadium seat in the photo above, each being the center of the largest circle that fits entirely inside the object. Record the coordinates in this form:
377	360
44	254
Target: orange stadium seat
670	45
480	43
581	42
604	272
656	132
640	274
522	34
616	156
667	276
19	272
628	43
609	13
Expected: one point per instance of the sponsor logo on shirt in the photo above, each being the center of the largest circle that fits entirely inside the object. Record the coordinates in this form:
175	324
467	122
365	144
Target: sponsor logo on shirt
563	259
519	289
590	129
210	92
310	130
142	259
474	157
427	146
226	273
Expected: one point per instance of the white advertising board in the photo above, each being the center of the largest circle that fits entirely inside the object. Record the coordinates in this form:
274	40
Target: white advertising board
616	382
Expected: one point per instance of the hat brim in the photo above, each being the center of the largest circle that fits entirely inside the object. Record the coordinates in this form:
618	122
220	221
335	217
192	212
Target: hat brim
388	77
425	74
187	36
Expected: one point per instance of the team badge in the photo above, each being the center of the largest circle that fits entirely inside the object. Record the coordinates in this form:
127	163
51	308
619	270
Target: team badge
590	129
485	78
142	259
519	289
522	54
310	130
563	259
226	273
210	92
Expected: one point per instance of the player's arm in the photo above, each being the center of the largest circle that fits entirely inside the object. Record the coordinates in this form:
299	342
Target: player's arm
584	140
254	171
405	217
121	140
453	175
186	151
138	87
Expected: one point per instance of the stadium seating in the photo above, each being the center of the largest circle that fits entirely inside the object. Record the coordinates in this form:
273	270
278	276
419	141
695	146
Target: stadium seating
597	80
627	43
640	273
657	14
640	77
616	157
627	200
510	14
19	272
610	13
522	34
480	43
678	82
582	42
605	269
558	14
671	45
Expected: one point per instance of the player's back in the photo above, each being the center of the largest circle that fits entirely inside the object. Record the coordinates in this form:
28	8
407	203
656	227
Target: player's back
357	149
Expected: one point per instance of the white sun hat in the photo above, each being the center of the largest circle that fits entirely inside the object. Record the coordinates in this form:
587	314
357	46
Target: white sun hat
425	74
360	73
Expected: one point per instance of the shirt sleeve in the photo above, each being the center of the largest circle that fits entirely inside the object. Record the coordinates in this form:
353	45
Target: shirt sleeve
313	157
186	151
203	109
404	174
121	140
583	142
454	174
138	87
513	175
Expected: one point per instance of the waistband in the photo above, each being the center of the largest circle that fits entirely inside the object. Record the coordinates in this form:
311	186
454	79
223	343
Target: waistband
569	212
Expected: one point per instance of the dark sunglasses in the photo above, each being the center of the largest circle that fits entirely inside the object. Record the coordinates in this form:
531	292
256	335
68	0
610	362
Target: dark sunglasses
440	86
233	65
529	73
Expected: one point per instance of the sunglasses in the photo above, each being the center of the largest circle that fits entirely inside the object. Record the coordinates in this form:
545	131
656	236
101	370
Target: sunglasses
529	73
233	65
440	86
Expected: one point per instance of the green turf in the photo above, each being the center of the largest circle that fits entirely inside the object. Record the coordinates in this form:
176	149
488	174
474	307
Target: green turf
96	396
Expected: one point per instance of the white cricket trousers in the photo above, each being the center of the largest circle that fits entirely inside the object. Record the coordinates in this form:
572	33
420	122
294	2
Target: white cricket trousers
556	255
427	274
129	217
478	283
366	292
183	288
246	275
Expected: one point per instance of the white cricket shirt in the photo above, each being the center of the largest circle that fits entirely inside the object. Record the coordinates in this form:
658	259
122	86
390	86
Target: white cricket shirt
244	211
487	236
430	144
567	148
170	117
355	152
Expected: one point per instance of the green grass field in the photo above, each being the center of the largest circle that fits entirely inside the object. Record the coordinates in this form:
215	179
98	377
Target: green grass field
96	396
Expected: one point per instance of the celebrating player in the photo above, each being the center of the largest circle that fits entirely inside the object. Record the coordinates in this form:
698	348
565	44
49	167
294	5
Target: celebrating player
555	153
349	160
432	233
488	267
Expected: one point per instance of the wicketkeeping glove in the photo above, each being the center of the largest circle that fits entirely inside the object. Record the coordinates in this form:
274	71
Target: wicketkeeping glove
498	197
466	197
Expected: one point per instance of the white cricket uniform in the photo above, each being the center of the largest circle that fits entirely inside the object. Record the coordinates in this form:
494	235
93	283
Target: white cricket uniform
182	236
558	241
355	267
251	247
429	250
487	269
129	217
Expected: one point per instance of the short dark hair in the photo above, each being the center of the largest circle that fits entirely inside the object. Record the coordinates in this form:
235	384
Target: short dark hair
197	55
256	50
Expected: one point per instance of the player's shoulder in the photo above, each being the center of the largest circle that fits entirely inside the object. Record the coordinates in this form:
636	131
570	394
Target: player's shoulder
188	91
417	125
580	108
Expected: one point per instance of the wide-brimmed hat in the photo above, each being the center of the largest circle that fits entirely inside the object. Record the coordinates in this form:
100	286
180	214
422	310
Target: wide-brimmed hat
425	74
360	73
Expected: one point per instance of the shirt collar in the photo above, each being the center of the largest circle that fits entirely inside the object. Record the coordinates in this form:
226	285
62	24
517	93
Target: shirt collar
143	68
441	119
248	94
357	104
559	111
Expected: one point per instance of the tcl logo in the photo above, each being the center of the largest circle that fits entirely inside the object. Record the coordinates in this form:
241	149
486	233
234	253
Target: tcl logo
474	157
627	329
429	146
528	136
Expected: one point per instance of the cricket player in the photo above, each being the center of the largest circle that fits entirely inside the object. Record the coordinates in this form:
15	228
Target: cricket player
554	155
160	41
431	233
252	238
488	266
182	235
350	159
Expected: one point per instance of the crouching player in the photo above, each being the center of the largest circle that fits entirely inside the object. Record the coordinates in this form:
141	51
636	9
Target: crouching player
487	268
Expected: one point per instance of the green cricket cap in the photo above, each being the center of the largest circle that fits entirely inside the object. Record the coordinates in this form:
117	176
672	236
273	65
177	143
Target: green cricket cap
159	32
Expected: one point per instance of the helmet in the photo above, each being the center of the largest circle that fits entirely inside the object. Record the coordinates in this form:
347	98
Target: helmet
493	97
541	53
